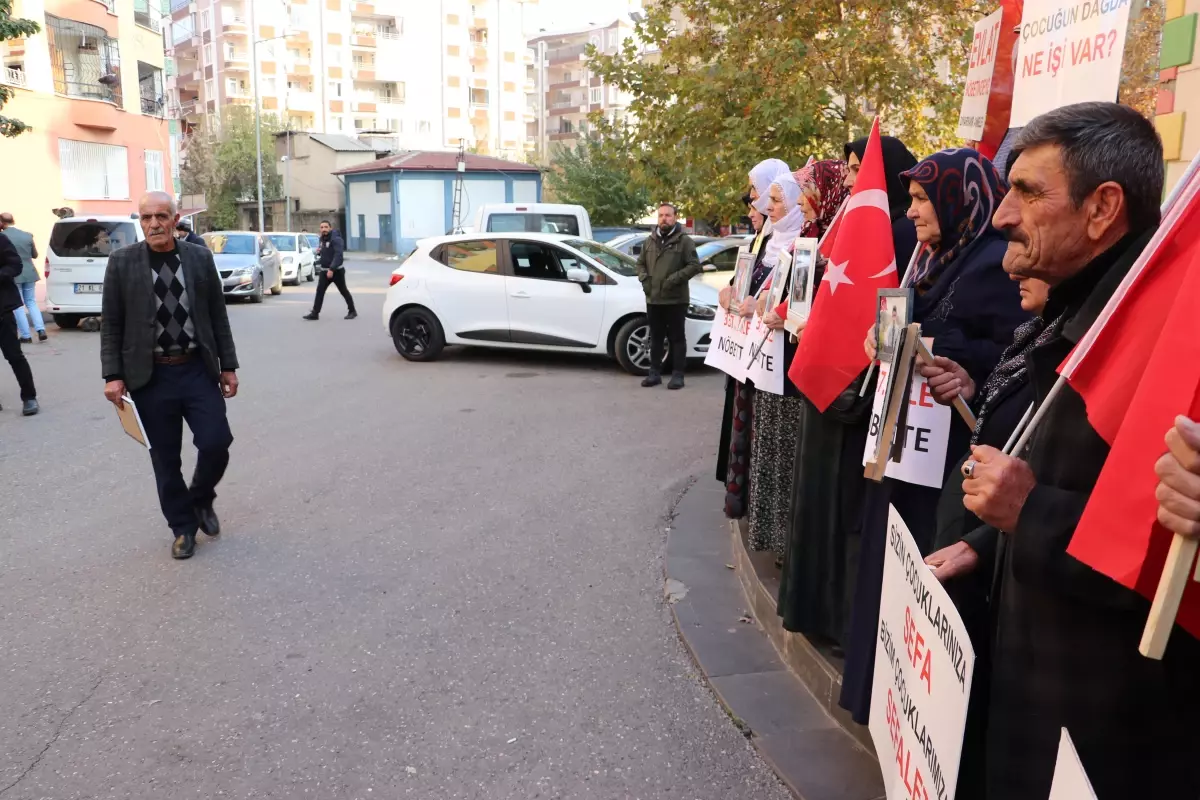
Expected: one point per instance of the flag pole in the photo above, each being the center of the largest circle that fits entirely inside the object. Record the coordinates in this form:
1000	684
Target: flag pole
1168	596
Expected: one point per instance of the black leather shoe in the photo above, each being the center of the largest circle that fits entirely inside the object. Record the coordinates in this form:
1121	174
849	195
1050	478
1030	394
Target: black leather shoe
653	379
42	336
29	407
311	316
185	546
352	315
208	520
25	340
676	381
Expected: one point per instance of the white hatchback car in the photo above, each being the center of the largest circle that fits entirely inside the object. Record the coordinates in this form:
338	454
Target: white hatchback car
76	261
529	291
296	255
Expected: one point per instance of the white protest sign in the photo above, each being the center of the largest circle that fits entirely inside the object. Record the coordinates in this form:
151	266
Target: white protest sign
764	357
1070	781
924	663
984	46
1069	51
926	435
727	350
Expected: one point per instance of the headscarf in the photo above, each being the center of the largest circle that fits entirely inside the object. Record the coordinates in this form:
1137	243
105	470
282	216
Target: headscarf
896	159
785	231
827	179
965	190
760	178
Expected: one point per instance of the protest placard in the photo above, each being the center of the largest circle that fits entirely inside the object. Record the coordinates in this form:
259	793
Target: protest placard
924	663
985	47
1070	781
926	434
764	357
1069	51
728	348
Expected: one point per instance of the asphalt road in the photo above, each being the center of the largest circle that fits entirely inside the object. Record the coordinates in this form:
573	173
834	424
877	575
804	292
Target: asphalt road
436	581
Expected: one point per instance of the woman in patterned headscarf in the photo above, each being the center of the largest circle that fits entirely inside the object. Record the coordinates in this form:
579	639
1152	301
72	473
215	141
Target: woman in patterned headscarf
968	304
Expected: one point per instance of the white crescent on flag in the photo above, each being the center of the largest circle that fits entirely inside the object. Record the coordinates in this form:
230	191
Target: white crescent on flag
873	198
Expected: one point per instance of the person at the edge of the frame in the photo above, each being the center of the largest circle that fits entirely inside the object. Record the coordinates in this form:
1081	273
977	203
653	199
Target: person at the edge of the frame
666	264
332	271
165	341
1087	180
10	300
184	232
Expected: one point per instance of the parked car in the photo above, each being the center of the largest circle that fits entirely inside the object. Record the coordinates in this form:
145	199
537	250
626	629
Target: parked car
296	255
718	258
76	260
248	263
605	235
631	243
534	218
529	291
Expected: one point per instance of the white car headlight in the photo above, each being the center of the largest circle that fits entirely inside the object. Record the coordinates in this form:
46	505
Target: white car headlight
701	311
287	259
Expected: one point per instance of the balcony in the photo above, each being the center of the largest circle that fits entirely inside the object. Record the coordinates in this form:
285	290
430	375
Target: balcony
238	92
299	67
363	72
531	114
179	5
364	106
153	106
235	24
301	101
362	9
238	60
12	77
363	39
529	58
566	55
182	32
530	86
146	16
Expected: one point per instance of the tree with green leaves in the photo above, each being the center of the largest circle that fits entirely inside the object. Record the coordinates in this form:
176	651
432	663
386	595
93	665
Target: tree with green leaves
11	28
738	82
219	163
597	173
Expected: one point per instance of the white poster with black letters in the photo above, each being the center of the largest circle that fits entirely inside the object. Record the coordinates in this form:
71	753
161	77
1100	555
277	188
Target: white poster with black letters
764	347
926	434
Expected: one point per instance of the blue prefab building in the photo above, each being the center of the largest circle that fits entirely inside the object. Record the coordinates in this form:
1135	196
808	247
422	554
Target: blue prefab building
393	202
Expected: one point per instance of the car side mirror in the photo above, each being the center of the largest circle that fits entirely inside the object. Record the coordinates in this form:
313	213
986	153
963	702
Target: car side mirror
581	276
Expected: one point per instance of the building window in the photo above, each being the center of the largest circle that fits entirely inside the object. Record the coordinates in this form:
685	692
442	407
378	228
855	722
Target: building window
210	89
479	97
210	55
383	187
93	171
423	127
146	16
335	89
359	124
296	123
155	177
83	60
205	20
597	95
452	50
150	89
268	84
454	81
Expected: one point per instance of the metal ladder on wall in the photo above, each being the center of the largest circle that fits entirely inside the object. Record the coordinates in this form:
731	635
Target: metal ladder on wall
456	209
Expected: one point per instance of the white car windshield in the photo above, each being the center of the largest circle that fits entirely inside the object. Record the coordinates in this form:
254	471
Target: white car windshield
615	260
284	244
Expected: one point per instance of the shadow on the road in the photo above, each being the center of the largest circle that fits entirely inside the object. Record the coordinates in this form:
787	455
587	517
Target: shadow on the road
544	360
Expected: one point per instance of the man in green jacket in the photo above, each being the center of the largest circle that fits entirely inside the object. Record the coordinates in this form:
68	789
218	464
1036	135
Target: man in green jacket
667	262
26	281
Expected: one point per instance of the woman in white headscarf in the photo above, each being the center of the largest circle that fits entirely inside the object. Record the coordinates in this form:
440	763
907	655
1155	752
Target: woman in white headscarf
733	454
776	417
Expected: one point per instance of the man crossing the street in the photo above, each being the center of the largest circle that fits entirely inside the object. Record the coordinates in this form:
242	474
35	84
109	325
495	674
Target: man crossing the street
666	264
165	341
330	253
26	281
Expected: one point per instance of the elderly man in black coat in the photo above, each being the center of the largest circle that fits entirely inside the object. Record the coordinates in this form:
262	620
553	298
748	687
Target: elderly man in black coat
1086	182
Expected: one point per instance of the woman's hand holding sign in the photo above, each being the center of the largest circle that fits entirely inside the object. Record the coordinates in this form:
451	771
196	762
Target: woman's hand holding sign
947	380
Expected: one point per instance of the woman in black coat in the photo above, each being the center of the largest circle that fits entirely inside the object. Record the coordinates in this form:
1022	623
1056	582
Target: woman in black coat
970	307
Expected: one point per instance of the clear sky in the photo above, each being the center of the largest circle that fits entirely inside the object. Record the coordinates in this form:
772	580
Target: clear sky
559	14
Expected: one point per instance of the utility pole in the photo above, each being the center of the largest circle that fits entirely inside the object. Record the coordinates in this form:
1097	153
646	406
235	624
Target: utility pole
287	184
258	115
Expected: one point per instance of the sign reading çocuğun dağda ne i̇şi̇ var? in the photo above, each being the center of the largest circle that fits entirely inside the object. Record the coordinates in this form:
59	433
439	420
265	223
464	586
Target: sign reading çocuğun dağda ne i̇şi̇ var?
924	662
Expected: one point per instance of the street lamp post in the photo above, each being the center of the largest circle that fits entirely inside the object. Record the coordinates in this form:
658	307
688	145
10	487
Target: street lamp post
258	119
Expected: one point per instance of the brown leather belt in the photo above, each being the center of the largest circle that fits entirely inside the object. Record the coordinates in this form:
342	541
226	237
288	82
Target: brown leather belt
172	361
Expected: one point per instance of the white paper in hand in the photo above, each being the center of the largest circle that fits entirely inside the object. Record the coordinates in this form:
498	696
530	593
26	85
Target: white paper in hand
131	421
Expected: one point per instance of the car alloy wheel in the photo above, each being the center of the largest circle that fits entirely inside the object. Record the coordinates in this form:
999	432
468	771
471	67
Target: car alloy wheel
637	347
415	335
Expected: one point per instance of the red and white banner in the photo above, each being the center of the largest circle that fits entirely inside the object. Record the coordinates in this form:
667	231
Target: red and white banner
985	47
1069	52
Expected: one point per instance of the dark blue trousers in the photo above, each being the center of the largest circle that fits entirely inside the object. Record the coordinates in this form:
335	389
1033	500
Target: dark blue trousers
174	394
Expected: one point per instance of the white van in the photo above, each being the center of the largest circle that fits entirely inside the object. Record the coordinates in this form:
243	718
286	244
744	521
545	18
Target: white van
534	218
76	261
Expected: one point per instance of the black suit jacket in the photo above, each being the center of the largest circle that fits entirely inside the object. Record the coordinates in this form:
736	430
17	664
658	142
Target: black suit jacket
127	323
10	268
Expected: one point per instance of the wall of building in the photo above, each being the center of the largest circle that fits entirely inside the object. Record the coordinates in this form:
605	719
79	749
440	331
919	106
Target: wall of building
312	166
33	182
1178	119
362	200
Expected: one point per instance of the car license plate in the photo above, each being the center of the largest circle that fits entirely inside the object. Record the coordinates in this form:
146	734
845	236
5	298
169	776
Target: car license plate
89	288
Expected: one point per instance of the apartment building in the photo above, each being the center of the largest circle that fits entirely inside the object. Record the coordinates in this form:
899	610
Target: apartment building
91	86
565	90
432	73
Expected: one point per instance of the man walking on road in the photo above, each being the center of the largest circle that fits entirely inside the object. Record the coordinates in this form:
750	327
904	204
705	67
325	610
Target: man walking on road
10	299
26	281
331	250
666	264
165	341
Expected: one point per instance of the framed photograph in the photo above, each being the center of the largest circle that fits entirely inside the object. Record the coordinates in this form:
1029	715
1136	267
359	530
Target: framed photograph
779	281
743	271
893	314
800	296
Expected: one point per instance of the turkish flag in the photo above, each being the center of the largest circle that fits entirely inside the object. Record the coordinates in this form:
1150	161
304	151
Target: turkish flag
862	261
1136	370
